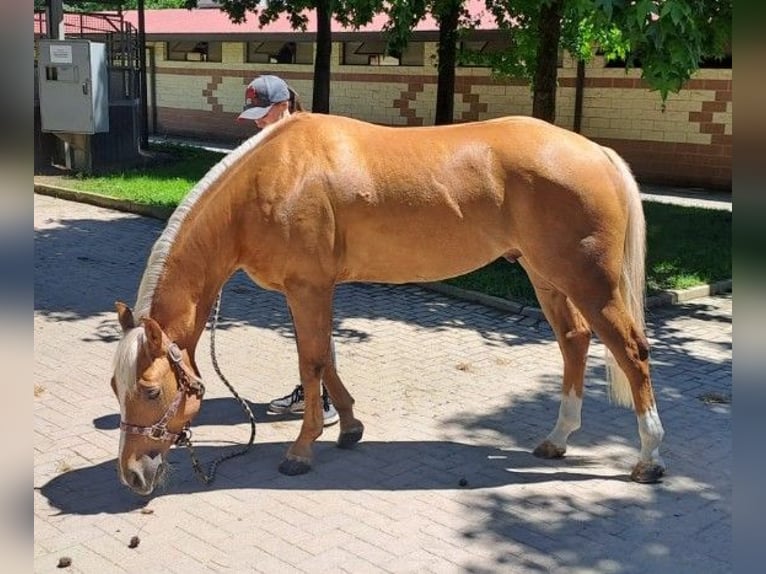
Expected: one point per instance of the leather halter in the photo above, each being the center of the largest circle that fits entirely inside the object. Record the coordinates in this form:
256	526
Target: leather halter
188	383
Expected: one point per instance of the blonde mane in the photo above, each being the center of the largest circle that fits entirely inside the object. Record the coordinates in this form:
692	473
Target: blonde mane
125	360
161	249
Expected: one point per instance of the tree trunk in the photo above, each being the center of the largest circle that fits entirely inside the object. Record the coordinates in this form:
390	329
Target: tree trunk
447	54
544	83
321	96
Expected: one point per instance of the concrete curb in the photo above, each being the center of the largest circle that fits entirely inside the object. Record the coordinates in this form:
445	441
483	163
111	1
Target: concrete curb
664	298
669	297
103	201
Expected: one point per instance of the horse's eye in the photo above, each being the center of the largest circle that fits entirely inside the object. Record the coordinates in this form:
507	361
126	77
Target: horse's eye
152	393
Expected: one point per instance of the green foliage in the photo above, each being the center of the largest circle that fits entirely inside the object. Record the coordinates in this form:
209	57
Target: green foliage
156	4
351	13
671	37
404	15
107	5
348	12
668	37
159	4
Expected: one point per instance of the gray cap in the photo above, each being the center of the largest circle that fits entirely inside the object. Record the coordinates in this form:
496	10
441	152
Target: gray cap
262	93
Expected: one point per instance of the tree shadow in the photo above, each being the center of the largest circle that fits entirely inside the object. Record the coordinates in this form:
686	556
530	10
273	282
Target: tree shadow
642	527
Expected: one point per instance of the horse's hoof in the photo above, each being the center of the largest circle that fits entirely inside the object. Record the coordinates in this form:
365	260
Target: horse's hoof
292	467
647	473
547	449
349	438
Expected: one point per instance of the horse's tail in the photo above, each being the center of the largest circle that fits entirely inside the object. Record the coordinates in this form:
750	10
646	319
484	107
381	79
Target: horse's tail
632	278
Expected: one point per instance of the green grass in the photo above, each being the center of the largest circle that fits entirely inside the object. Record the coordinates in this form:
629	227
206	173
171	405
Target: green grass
687	246
163	183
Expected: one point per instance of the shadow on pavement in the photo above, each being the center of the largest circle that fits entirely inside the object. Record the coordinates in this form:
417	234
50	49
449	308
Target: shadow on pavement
373	465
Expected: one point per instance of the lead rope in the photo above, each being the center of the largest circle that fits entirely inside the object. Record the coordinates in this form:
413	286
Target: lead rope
207	478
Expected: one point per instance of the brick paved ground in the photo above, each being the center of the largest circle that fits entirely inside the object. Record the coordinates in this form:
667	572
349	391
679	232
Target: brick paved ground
447	390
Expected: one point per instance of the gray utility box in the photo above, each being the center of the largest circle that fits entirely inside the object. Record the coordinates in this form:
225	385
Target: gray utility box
73	86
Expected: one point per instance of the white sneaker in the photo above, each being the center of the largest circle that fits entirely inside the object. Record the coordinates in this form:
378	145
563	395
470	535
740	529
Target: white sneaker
328	410
294	404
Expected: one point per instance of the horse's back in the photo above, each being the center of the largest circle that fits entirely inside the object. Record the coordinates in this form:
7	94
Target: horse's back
513	148
409	204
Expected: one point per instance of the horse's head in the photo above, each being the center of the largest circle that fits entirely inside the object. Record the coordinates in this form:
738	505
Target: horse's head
159	395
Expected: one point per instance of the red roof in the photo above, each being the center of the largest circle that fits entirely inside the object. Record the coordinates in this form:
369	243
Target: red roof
212	21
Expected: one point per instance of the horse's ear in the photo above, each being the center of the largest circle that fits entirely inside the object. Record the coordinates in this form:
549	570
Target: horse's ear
154	337
125	315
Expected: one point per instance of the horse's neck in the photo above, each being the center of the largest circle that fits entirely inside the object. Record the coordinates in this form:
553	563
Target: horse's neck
197	265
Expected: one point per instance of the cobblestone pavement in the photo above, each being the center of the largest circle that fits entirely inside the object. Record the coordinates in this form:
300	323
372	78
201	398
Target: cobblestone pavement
448	390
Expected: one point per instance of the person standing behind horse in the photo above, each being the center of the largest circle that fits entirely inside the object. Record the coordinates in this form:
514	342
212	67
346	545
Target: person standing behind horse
269	99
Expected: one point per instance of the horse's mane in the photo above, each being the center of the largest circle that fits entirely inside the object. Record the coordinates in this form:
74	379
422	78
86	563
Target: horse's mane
126	358
156	263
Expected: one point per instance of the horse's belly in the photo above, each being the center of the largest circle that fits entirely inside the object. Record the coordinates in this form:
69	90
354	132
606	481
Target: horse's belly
420	256
426	230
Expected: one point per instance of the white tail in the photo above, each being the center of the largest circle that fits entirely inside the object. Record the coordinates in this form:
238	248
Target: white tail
633	278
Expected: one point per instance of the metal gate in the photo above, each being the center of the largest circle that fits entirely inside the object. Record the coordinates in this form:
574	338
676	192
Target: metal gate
121	39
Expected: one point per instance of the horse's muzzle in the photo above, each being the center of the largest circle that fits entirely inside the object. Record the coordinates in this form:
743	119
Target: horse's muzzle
142	476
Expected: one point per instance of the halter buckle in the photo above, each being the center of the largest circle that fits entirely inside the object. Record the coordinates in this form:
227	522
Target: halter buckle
156	432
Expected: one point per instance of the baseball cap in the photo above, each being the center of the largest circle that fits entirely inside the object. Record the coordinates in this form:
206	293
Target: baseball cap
262	93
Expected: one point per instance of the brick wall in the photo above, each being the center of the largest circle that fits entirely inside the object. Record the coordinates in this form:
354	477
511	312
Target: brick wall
687	143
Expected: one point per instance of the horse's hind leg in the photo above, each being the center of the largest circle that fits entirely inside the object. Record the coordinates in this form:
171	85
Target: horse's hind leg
573	336
612	323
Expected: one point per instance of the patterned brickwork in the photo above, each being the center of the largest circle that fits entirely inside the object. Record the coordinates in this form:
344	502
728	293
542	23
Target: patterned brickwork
403	104
210	93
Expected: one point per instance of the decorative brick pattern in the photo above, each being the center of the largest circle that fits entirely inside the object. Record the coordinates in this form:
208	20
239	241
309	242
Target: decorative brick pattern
209	93
403	104
715	118
475	107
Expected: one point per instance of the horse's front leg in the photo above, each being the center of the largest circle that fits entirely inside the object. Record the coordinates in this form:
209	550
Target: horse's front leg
351	428
311	308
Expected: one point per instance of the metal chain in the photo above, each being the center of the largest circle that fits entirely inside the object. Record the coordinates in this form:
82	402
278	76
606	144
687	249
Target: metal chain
185	440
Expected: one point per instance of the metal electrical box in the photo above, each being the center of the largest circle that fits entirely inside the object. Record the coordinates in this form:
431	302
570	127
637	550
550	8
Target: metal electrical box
73	86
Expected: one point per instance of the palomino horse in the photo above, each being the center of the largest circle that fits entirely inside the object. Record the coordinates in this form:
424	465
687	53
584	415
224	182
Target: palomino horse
317	200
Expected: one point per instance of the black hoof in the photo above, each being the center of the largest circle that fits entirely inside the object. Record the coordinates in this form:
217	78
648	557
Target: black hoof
547	449
294	467
349	438
647	473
